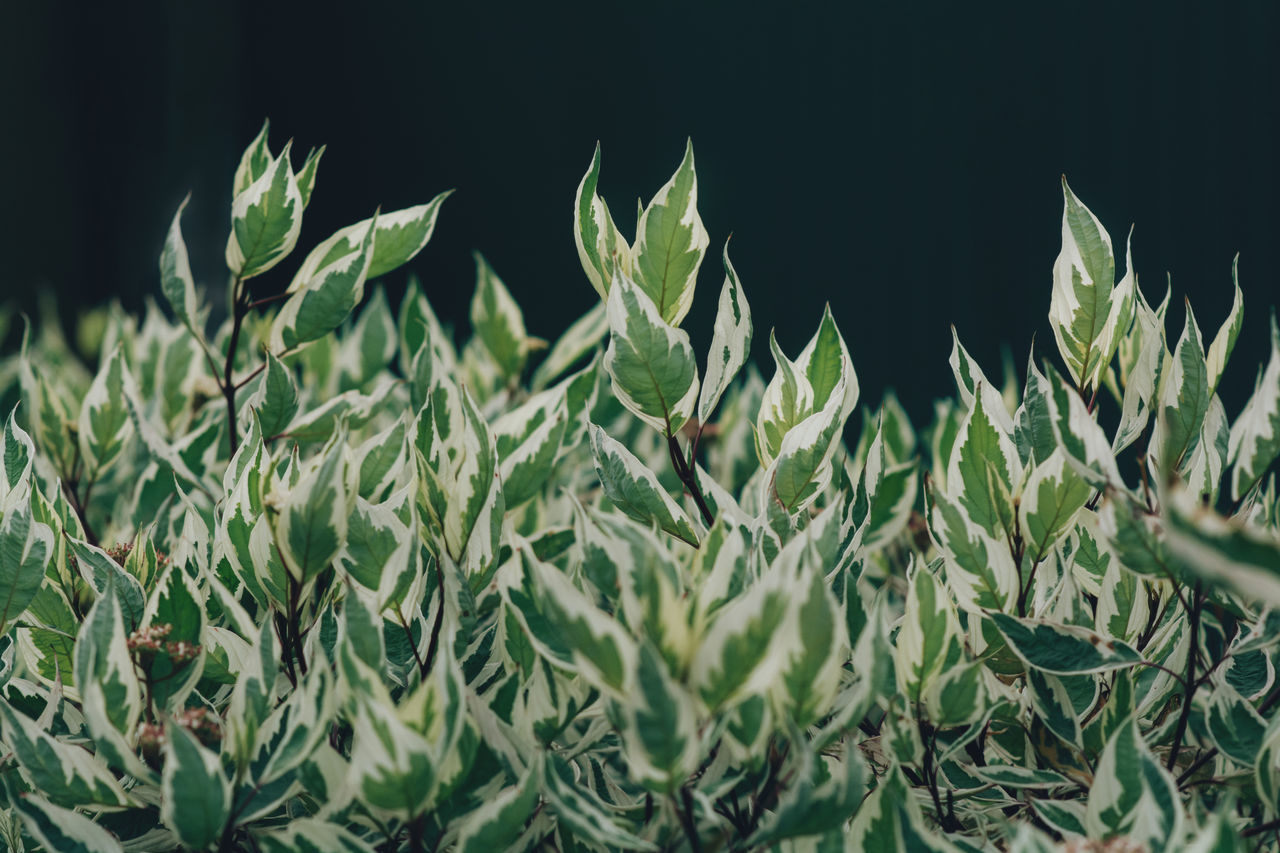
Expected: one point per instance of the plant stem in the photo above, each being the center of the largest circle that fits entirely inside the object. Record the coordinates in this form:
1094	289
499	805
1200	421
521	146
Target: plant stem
686	819
239	309
685	471
1184	716
425	668
415	834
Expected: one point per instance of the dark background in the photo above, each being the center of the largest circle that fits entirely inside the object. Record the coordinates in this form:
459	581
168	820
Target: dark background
900	160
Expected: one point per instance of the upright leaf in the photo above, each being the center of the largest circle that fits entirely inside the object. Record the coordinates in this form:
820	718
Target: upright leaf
670	243
651	363
730	341
266	219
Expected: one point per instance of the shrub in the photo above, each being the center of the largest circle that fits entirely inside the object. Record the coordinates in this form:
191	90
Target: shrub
322	581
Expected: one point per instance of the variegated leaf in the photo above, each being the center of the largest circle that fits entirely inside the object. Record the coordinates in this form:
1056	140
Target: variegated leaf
580	339
65	773
655	374
671	243
601	247
635	490
1132	794
266	219
1225	340
1088	311
498	322
196	798
1063	649
62	829
176	281
929	640
104	424
312	525
328	286
730	341
984	471
980	570
1184	400
1255	436
1051	497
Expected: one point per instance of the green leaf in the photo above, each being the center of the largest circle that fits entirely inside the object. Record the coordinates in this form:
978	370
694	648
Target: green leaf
176	282
498	322
64	830
312	525
980	570
738	656
327	288
1088	311
401	234
1184	400
660	734
371	344
1145	372
196	798
984	471
1225	340
1063	649
528	439
1236	729
254	162
1132	794
1021	777
176	600
601	247
972	382
457	467
810	676
602	651
635	490
929	640
671	243
26	549
1255	436
655	375
306	176
102	657
266	218
587	815
67	774
104	423
498	822
276	400
1052	495
730	341
1077	432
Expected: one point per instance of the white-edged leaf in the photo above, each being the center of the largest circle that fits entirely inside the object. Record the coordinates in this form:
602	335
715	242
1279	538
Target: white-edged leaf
655	374
176	282
635	490
266	219
601	247
730	341
196	798
1255	436
670	243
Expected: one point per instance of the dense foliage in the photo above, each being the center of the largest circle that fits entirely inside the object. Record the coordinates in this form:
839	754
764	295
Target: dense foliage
324	581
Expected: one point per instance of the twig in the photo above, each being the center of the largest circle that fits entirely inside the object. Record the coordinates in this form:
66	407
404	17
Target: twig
1184	716
435	627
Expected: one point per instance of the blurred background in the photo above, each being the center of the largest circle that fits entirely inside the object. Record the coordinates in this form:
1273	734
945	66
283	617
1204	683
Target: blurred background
900	160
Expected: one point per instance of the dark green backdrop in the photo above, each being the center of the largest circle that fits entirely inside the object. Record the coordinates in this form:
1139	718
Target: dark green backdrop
900	159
